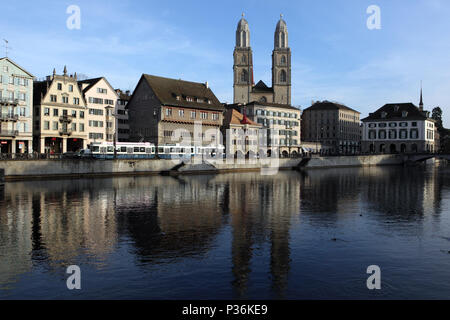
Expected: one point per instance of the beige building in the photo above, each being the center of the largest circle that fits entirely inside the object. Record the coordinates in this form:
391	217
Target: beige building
335	126
160	108
101	101
282	124
240	134
16	108
60	115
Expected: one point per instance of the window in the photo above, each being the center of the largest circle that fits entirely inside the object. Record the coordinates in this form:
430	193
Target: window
70	88
189	99
403	134
81	127
53	98
372	134
65	99
55	125
74	126
392	134
46	111
76	101
101	90
55	112
283	77
414	134
109	101
215	116
193	114
74	113
283	60
22	96
168	112
403	124
46	125
204	115
244	76
59	86
96	112
81	114
414	124
181	113
392	124
95	100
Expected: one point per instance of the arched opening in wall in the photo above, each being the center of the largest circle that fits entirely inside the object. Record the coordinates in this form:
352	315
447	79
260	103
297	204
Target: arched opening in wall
403	148
393	148
382	148
414	148
269	153
285	154
244	59
244	76
283	76
283	39
283	60
244	39
372	148
263	99
294	154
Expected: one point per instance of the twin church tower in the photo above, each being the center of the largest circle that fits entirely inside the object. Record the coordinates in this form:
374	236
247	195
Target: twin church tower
245	90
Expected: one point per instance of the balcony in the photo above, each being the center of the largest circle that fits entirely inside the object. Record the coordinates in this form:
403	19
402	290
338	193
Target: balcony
65	119
65	132
9	102
9	117
9	133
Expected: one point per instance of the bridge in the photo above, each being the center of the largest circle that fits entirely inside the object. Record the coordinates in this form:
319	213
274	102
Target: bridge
420	157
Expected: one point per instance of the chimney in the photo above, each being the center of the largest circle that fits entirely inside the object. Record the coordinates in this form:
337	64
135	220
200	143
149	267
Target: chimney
207	85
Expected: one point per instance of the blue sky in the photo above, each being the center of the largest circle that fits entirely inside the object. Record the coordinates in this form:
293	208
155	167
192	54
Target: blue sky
334	55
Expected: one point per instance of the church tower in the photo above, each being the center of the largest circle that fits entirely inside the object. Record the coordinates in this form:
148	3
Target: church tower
243	64
281	65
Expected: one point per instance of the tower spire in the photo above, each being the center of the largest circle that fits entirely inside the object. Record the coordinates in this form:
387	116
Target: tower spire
421	98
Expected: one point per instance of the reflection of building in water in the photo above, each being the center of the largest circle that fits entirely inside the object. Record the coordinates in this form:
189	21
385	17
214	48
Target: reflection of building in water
172	218
261	207
406	197
15	234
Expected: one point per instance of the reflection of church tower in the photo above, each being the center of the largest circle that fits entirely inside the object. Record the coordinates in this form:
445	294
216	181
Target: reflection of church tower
243	63
281	65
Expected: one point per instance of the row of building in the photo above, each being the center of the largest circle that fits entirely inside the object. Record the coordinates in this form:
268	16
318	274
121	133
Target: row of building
62	113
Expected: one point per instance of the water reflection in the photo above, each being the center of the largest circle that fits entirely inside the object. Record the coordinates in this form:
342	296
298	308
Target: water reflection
48	225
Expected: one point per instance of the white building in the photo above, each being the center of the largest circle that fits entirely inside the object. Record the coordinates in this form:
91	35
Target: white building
398	127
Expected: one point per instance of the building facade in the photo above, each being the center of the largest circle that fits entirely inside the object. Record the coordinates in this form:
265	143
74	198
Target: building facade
60	115
240	134
398	128
281	124
101	101
16	108
168	111
245	90
122	121
335	126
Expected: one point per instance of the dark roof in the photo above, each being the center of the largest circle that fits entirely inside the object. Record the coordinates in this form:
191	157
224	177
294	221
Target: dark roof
167	90
328	105
90	82
276	105
394	111
261	87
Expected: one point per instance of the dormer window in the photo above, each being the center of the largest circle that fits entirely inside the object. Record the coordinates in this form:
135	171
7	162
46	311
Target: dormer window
404	114
190	99
396	108
383	114
178	97
200	100
209	101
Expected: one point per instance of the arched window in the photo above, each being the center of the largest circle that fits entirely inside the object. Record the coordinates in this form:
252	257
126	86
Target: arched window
283	76
263	99
283	39
283	60
244	76
244	39
244	59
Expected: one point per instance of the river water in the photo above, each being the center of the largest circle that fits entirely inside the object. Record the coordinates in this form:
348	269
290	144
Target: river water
293	235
